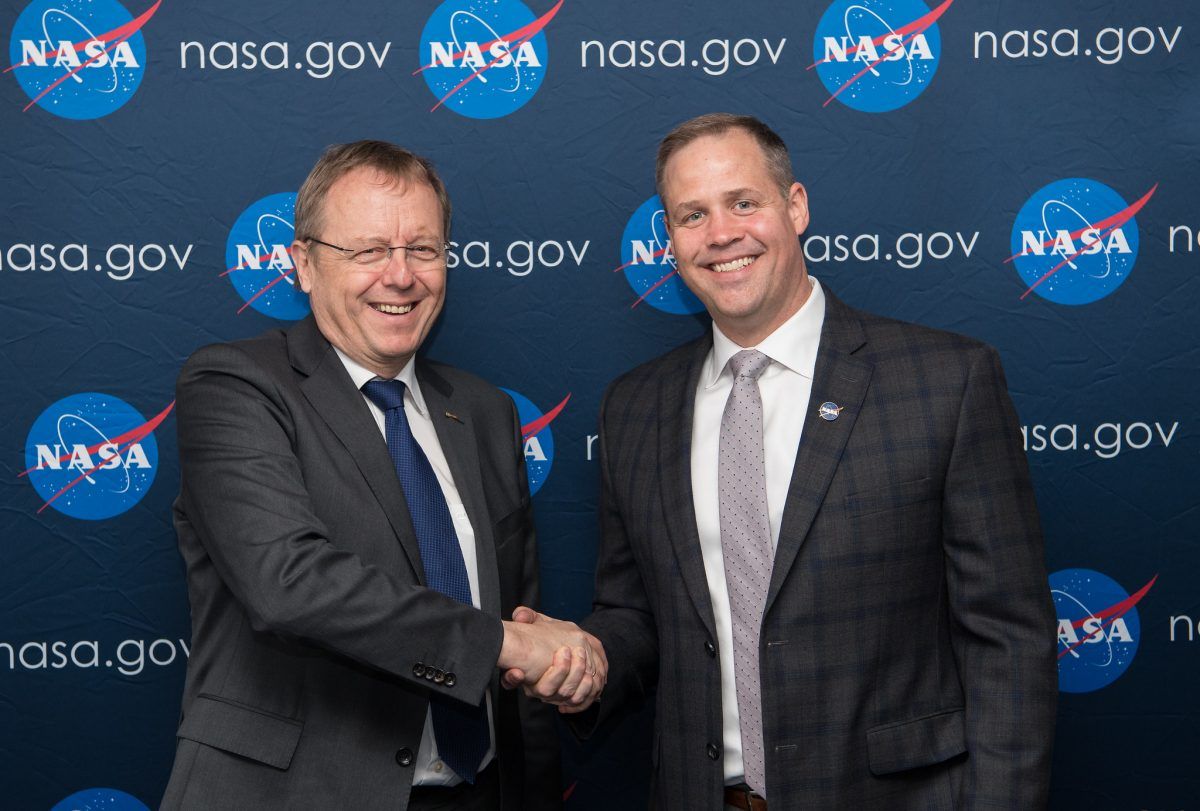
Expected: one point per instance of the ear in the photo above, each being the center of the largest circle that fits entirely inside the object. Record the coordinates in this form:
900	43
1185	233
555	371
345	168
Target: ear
300	260
797	203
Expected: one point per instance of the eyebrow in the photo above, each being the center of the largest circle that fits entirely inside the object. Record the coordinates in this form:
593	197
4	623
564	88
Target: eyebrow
378	240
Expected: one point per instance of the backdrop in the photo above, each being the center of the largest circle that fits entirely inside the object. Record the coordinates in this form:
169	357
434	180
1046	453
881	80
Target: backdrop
1024	173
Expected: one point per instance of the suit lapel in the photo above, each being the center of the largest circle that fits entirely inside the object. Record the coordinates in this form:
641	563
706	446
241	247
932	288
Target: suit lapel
457	438
676	404
332	394
838	378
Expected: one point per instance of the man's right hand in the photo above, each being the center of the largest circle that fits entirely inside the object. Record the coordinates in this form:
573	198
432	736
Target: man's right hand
553	660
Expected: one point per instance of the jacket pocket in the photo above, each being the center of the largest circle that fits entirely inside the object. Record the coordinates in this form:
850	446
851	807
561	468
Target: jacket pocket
924	741
242	730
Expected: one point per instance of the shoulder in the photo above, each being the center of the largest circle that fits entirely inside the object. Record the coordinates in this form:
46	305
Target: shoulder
906	348
268	351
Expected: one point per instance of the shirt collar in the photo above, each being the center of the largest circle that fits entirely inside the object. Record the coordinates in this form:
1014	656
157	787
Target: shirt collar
793	344
407	376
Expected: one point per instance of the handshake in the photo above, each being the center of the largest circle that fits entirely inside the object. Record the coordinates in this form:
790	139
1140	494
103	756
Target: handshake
552	660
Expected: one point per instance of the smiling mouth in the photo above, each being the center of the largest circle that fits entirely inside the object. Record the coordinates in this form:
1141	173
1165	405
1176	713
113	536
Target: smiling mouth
736	264
392	309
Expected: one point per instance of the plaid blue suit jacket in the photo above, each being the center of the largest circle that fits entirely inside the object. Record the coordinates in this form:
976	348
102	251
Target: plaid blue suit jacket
908	649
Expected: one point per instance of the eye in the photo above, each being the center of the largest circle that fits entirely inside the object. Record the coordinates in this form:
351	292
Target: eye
369	255
744	206
425	253
693	218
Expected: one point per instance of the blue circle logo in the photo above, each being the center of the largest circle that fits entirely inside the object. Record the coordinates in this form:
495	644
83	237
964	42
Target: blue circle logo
100	799
79	59
484	58
877	55
1098	628
537	437
649	265
1075	241
92	455
258	258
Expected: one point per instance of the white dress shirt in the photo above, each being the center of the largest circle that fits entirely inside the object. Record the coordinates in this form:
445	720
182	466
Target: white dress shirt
786	386
430	769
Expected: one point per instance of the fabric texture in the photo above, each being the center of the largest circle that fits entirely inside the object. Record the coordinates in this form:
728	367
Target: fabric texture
907	649
746	545
316	641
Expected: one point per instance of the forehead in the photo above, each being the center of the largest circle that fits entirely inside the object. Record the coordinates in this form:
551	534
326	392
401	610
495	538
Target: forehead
732	159
367	193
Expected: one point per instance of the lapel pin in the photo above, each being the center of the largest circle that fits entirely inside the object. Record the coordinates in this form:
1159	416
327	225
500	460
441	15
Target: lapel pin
829	411
454	417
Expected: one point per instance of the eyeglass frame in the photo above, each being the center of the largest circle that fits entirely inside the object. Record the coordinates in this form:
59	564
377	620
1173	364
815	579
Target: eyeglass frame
442	249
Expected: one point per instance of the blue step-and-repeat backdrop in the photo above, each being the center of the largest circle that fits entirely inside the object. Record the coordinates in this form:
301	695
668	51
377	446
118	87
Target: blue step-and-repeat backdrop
1025	173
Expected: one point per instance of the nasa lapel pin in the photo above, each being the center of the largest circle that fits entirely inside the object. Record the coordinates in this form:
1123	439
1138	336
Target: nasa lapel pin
829	411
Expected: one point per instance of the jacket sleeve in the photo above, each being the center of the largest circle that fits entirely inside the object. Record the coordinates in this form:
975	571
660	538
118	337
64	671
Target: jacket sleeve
1003	619
622	617
542	776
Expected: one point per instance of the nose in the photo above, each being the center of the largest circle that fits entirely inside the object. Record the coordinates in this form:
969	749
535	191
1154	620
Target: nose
724	228
395	270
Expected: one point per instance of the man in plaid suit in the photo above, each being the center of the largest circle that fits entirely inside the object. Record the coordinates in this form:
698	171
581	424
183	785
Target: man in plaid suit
901	652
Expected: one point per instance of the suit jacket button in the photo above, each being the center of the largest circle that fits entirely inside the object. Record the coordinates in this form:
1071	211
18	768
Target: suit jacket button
419	669
714	751
404	756
439	676
710	648
429	674
451	679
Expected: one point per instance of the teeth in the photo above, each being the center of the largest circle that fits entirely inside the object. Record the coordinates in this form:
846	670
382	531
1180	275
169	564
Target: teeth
393	309
736	264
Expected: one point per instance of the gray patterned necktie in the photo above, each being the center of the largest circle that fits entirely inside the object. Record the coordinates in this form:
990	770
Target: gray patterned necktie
746	546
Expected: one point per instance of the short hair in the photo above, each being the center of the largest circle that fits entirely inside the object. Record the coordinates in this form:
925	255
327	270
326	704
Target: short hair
340	159
775	152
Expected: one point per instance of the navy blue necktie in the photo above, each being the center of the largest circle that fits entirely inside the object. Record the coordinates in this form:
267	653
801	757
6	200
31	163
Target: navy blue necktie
461	730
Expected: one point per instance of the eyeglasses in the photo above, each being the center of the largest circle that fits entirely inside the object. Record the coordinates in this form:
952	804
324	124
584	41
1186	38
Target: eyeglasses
421	256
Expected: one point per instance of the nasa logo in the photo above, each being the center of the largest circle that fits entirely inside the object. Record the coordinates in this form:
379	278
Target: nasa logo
649	264
539	441
1098	628
78	59
484	58
1075	241
258	258
877	55
92	456
100	799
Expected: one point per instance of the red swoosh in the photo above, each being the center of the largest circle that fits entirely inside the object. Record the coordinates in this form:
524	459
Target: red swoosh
534	428
121	33
653	287
264	289
1105	227
260	259
654	255
907	33
1111	613
131	437
518	38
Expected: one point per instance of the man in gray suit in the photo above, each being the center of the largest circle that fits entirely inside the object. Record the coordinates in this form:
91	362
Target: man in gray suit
355	524
819	539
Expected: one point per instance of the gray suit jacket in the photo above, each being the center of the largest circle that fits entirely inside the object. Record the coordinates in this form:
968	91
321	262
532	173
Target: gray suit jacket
908	650
315	645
